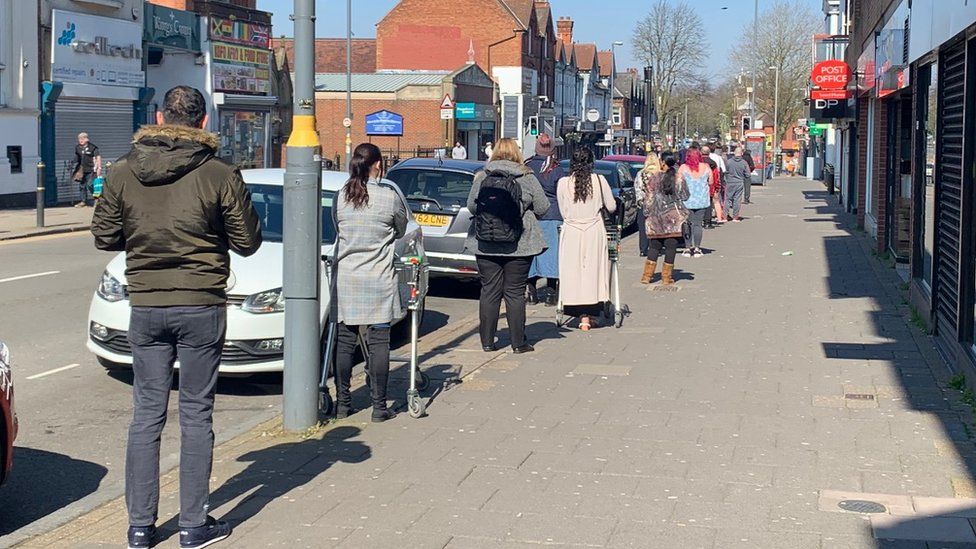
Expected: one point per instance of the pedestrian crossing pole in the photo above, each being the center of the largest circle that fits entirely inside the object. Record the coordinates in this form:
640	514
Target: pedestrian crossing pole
302	236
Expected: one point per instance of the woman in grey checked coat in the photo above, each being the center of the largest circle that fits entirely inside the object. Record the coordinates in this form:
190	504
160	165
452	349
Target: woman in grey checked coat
370	217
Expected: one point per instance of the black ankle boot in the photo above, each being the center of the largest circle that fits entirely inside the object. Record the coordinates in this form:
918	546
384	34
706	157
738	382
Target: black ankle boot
382	414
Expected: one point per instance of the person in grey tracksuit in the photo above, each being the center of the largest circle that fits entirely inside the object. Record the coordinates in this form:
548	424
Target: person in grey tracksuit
737	177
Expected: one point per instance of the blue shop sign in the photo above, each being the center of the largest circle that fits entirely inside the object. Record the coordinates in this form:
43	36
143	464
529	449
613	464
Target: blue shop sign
384	123
466	111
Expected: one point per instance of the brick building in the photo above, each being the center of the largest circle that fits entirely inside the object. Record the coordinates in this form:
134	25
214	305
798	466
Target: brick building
330	54
416	97
512	40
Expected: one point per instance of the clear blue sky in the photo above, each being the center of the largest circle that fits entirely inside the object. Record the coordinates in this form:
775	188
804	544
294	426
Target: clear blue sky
612	20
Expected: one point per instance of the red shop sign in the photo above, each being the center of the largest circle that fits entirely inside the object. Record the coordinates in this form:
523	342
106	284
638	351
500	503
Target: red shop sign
830	94
831	75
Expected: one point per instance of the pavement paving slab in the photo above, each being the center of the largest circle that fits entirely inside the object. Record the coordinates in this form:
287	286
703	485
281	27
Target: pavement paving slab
735	412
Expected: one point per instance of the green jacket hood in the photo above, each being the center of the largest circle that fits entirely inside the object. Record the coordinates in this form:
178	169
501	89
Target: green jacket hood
163	154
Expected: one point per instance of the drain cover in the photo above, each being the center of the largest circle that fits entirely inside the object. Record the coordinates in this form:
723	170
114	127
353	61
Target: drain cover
861	506
858	396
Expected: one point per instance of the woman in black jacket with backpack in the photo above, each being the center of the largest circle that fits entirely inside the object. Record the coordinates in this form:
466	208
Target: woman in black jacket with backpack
504	246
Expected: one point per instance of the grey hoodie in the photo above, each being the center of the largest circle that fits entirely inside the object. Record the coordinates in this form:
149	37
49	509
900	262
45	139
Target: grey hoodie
738	171
532	242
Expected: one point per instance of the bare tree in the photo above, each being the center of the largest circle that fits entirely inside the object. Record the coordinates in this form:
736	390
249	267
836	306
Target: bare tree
669	39
784	41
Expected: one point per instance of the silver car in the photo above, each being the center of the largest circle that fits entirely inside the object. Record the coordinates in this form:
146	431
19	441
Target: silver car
437	192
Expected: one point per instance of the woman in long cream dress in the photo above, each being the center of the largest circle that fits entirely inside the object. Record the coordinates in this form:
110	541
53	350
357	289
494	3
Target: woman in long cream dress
584	263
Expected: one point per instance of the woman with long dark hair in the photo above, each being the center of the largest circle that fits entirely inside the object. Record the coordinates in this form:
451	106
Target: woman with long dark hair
665	213
584	261
370	218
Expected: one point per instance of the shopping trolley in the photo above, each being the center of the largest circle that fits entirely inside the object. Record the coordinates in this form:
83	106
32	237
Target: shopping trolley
413	276
612	309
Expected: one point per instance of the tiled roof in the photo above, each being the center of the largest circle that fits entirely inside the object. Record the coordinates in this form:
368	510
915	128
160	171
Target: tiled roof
378	82
585	56
606	63
522	10
542	14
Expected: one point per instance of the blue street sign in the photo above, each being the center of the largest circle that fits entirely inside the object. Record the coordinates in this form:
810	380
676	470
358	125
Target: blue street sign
466	111
384	123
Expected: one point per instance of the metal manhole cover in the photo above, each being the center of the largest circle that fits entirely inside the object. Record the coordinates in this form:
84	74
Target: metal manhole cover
862	506
858	396
668	288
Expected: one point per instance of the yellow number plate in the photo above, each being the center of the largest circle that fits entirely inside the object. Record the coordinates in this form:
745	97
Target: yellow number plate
431	220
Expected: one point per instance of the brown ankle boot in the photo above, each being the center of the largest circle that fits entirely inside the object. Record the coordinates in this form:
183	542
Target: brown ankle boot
666	274
649	268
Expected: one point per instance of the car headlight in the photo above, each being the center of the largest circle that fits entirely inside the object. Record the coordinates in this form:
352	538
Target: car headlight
272	301
110	289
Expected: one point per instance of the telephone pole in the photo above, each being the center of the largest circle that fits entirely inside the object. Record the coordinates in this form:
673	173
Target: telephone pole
302	236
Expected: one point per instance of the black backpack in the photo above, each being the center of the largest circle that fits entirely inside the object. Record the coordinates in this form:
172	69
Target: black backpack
500	210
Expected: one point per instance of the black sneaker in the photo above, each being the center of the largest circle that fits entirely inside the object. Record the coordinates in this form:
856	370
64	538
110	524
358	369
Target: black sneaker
142	537
204	536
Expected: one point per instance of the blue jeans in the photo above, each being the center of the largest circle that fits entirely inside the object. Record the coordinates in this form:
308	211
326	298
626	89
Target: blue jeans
159	336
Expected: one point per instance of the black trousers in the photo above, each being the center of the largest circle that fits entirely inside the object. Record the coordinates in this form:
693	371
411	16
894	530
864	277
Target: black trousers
642	239
670	246
378	349
503	277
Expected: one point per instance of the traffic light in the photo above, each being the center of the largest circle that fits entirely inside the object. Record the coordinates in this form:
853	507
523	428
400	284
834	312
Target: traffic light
746	124
533	125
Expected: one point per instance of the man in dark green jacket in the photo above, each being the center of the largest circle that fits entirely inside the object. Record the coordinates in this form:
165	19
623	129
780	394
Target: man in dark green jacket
177	211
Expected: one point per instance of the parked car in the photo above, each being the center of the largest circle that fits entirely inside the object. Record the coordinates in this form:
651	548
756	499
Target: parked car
618	175
437	191
8	415
634	162
255	304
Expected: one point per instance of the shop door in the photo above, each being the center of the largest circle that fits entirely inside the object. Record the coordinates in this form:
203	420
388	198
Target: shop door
244	138
949	192
898	176
108	125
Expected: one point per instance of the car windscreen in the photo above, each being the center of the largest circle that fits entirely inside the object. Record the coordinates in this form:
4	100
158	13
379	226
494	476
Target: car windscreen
440	189
269	202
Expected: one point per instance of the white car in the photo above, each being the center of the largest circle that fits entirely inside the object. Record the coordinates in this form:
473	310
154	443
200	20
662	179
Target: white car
255	305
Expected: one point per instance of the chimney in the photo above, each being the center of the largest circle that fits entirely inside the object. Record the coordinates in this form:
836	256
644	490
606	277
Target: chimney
564	29
541	4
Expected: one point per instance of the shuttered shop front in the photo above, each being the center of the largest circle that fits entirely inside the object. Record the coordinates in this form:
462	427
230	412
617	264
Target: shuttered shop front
108	125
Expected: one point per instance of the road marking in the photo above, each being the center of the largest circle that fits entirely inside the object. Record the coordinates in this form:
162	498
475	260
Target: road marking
25	277
54	371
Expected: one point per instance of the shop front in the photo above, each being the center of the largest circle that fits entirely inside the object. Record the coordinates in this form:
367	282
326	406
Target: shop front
173	53
475	127
241	83
943	61
893	89
97	87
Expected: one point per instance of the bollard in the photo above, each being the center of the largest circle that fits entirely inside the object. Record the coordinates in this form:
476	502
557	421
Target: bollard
40	194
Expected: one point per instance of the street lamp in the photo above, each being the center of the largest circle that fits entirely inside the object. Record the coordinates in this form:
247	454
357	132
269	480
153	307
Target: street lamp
613	78
348	82
776	117
755	49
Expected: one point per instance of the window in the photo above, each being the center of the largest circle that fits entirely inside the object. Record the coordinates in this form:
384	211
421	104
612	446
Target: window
269	203
16	158
617	116
928	115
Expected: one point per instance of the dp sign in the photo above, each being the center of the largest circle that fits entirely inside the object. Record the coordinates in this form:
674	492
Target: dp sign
831	75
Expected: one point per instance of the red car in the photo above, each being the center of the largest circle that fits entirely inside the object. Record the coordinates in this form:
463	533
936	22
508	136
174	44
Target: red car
633	161
8	414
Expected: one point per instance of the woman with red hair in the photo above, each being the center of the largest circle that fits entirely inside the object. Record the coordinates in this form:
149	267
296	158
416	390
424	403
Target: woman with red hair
697	177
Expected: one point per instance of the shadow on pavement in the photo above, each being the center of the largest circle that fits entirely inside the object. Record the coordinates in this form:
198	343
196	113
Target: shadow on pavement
938	522
43	483
275	471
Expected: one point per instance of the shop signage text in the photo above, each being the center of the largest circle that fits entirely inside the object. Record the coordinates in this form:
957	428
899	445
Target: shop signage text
239	32
831	75
466	111
384	123
830	94
96	50
828	109
240	69
172	28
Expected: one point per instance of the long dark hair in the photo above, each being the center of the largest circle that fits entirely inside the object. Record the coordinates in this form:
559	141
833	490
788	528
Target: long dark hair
582	170
363	159
670	177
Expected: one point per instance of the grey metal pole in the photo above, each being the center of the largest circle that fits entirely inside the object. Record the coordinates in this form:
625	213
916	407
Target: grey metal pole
776	123
755	50
686	119
40	194
302	237
348	81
